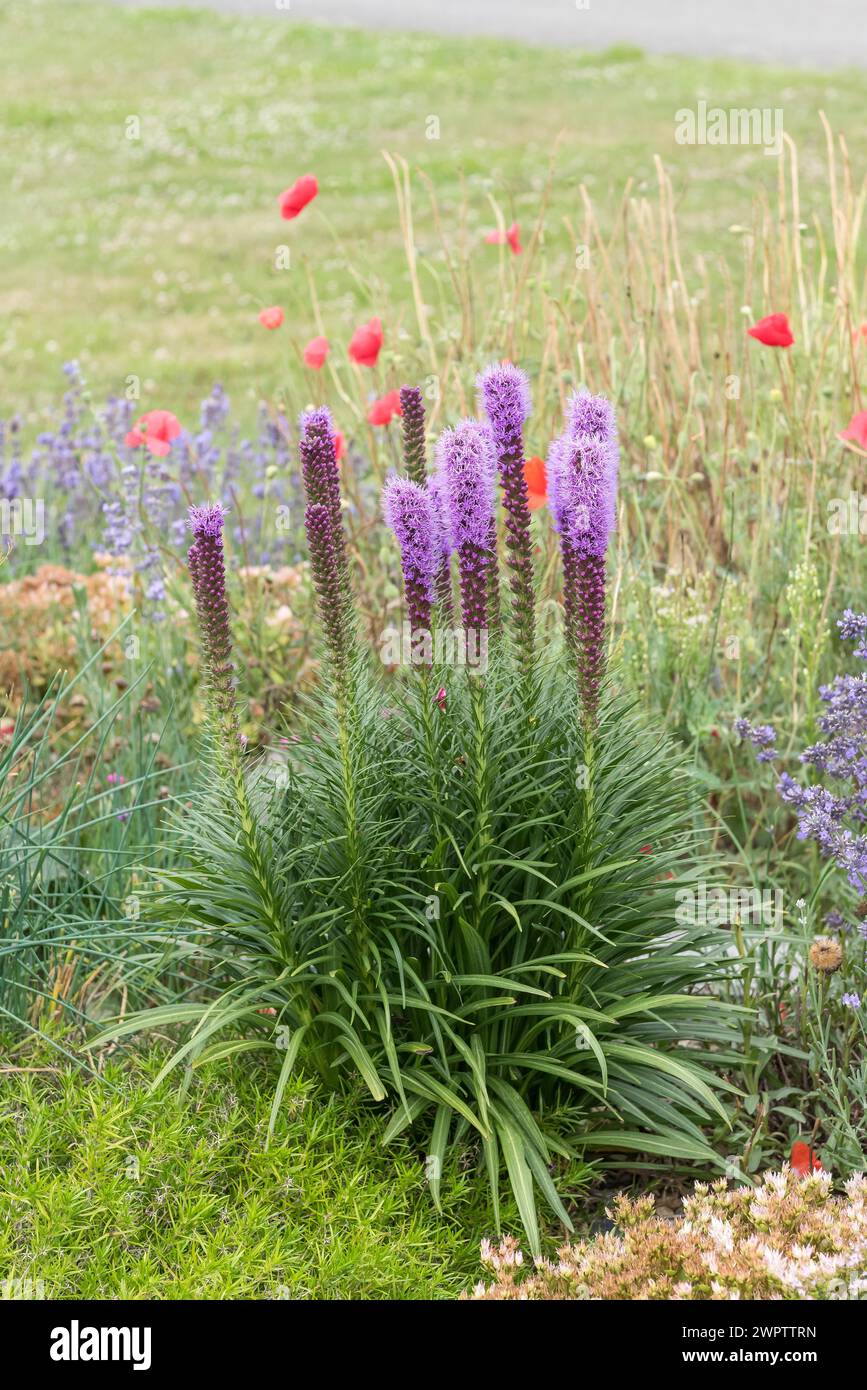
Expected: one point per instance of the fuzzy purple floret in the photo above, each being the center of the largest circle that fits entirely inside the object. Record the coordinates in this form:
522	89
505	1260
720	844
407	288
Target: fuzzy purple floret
466	471
582	490
582	495
409	511
592	415
504	394
207	519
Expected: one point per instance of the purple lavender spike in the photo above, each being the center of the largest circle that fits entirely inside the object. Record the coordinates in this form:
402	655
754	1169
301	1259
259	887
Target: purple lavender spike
466	466
504	391
409	512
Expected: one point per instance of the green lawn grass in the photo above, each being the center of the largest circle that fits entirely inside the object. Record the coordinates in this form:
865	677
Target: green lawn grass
150	257
109	1190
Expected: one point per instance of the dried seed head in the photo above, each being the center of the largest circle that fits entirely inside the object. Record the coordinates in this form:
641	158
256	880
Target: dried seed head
826	955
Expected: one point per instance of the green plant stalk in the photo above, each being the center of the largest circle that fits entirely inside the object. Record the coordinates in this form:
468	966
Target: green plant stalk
481	843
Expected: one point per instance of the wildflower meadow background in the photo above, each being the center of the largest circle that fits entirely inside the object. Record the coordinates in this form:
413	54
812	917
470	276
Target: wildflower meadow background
433	710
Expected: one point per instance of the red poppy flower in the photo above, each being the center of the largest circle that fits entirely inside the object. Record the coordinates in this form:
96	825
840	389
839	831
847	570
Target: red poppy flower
157	429
366	343
857	429
383	411
511	238
537	482
271	318
647	849
859	333
803	1159
296	198
773	331
316	352
339	445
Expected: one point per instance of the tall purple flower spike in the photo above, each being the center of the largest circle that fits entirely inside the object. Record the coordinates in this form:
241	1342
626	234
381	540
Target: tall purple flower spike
326	581
466	469
321	475
412	422
504	392
444	594
208	572
582	495
410	513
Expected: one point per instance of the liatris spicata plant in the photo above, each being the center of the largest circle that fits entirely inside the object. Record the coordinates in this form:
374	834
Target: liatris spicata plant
414	452
466	469
409	511
208	573
504	391
443	907
582	488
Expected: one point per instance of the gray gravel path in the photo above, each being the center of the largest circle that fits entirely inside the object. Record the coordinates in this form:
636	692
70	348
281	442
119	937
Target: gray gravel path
810	33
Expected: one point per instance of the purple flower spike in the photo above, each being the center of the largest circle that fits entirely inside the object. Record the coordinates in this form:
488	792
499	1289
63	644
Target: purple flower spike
321	476
409	511
582	491
326	581
504	391
208	572
592	415
414	453
466	469
444	570
582	494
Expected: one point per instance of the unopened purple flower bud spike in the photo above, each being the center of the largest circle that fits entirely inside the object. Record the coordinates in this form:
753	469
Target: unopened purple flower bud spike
321	475
412	420
208	572
326	581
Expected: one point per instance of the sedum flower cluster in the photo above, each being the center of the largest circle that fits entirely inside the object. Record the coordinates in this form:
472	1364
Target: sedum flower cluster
788	1238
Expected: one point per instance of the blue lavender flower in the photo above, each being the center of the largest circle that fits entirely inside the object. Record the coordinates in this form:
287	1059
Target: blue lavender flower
761	736
835	816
